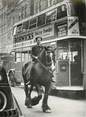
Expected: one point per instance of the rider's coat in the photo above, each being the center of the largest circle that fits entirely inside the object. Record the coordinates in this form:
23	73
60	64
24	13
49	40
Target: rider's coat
36	50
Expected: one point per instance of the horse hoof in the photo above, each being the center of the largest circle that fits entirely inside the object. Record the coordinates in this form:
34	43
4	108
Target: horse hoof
35	100
29	106
47	111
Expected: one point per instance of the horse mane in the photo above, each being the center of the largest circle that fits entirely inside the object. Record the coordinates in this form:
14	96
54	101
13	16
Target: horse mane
42	56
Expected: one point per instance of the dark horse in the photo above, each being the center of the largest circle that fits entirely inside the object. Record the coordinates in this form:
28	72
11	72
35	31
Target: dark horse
38	74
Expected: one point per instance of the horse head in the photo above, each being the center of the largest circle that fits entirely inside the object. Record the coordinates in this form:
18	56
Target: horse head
45	57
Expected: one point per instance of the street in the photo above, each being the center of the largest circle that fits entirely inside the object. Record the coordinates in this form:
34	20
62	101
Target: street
61	107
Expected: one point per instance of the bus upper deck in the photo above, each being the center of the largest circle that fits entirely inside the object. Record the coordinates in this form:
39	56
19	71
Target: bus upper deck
59	13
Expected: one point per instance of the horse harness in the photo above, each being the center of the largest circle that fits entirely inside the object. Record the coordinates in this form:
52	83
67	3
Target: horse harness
47	68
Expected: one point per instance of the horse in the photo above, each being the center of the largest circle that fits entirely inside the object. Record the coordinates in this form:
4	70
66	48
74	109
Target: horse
38	74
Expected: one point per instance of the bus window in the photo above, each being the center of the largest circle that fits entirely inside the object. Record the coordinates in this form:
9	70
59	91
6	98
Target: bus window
41	20
25	26
33	23
19	28
61	11
63	51
43	4
71	10
80	10
76	9
51	16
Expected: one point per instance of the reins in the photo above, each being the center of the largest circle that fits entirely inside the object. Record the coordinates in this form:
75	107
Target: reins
40	62
46	68
42	65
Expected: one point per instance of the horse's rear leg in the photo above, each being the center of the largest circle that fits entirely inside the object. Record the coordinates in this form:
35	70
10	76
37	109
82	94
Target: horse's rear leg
45	106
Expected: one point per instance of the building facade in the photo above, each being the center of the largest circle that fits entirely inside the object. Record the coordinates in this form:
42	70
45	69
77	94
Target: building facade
10	13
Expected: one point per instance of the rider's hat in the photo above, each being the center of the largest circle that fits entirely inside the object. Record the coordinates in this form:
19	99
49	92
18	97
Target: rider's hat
38	38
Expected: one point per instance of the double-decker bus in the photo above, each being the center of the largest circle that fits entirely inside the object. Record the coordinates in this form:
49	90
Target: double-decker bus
61	26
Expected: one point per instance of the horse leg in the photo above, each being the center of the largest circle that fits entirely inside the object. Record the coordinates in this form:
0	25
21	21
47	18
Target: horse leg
26	93
38	88
45	106
28	96
35	100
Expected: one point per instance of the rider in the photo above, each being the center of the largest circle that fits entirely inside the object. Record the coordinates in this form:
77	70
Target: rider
36	49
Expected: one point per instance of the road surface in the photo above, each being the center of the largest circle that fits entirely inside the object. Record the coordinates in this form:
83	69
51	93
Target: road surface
61	107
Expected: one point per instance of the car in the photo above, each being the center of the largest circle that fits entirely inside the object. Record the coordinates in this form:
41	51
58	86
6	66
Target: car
8	104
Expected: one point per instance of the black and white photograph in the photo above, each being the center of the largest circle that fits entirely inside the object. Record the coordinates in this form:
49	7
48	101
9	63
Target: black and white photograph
42	58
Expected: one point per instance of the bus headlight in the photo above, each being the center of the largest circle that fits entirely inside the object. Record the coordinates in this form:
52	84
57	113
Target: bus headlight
3	101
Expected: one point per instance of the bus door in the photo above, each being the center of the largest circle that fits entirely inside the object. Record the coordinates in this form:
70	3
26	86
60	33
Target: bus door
69	63
75	66
62	63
